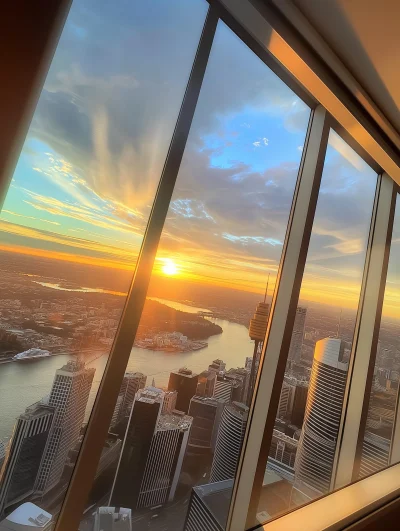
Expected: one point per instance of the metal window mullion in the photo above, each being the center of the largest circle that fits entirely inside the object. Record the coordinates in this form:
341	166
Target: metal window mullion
394	451
363	355
96	432
253	461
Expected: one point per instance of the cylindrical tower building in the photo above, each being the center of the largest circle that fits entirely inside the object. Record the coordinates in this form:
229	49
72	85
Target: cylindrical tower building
316	451
229	442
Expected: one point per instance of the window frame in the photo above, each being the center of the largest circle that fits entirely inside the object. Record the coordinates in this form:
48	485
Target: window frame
277	44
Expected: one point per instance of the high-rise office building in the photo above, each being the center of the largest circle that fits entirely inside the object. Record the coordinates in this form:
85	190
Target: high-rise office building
240	378
248	363
209	507
113	519
169	404
296	341
375	454
142	424
282	455
206	383
218	366
24	455
206	414
223	389
164	461
316	451
299	401
185	382
229	442
284	407
69	396
132	382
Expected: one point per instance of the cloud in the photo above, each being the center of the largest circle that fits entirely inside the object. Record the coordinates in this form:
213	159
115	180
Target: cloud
190	208
14	234
9	213
245	240
80	213
108	118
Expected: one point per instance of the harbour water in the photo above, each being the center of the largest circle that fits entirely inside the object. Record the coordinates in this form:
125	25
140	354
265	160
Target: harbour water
22	384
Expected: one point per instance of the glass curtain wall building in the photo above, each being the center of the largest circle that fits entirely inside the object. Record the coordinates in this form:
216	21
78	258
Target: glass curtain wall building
191	331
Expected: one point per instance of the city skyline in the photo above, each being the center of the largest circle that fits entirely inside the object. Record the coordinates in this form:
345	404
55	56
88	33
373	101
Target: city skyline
226	447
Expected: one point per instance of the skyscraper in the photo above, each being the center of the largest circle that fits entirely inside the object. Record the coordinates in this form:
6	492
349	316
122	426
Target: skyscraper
296	341
375	454
113	519
209	507
299	401
206	383
282	455
185	382
218	366
24	454
169	404
241	377
229	442
316	450
142	424
223	389
132	382
69	396
284	406
164	461
206	414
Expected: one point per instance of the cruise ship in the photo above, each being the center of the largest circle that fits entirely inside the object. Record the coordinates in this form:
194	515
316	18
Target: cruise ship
31	355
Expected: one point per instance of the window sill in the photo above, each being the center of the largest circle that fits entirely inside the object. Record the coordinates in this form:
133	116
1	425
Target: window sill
344	507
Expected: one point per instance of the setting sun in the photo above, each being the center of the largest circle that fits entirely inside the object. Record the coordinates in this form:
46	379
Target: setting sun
169	268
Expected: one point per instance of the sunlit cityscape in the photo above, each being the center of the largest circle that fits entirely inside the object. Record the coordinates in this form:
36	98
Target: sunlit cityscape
70	233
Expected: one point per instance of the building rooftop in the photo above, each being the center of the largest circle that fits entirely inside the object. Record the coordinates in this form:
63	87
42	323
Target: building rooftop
134	375
216	497
27	515
37	409
172	422
184	371
113	519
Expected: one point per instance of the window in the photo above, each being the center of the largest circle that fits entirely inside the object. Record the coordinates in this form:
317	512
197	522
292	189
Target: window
256	270
300	466
216	265
72	226
383	404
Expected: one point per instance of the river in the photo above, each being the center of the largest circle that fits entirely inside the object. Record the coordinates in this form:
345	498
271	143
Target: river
22	384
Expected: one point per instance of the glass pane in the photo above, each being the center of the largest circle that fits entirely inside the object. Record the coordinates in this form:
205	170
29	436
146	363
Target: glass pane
72	226
222	239
385	388
301	455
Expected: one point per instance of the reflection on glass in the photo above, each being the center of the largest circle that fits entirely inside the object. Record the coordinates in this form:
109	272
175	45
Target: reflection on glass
222	239
303	446
71	229
385	386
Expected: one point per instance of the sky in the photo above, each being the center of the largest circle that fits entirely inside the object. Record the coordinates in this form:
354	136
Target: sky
87	175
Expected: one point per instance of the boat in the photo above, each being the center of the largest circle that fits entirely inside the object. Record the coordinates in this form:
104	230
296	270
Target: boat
31	354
